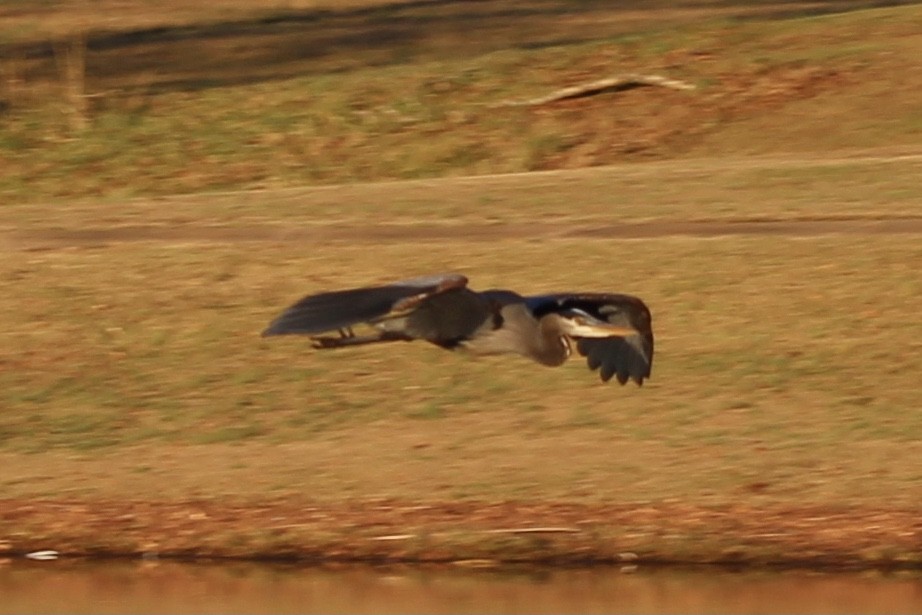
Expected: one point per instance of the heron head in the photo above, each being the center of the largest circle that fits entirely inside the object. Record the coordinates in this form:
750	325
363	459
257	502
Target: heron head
579	323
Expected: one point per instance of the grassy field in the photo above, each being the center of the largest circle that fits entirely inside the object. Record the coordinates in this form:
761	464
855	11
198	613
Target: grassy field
773	357
782	422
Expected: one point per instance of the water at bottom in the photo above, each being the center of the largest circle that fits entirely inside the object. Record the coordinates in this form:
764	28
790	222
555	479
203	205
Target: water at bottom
164	587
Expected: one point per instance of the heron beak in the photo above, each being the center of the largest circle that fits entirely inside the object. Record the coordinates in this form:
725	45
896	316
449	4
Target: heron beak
617	330
604	329
582	324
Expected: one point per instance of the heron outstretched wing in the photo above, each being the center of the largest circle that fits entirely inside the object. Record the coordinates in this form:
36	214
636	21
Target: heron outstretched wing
622	357
613	332
342	309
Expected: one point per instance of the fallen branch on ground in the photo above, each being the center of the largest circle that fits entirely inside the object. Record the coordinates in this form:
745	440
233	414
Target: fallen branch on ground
611	84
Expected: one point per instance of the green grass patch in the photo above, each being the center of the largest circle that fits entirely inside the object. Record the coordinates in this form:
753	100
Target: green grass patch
425	109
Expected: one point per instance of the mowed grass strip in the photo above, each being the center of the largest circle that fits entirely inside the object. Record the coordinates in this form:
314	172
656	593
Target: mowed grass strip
850	185
786	370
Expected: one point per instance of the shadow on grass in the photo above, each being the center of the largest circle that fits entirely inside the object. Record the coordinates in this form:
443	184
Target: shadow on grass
281	44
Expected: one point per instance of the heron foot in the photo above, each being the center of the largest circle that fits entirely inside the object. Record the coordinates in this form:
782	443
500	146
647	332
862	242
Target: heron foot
327	342
350	339
346	338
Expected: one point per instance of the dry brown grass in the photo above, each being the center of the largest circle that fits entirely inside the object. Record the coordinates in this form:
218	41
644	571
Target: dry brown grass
784	390
773	356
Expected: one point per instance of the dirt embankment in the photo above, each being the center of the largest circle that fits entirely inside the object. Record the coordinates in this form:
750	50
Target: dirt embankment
474	533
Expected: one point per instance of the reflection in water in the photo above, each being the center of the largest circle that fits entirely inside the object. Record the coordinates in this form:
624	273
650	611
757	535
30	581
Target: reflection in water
58	587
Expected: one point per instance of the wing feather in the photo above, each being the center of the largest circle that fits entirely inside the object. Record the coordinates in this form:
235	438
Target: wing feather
334	310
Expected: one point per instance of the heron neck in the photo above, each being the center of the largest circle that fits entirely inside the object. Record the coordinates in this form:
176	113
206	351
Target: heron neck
539	340
551	347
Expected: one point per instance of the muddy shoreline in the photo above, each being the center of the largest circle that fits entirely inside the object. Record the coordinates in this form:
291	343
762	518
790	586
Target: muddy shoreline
468	533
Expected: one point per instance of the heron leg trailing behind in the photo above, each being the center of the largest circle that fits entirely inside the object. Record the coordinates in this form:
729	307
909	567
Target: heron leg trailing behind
344	341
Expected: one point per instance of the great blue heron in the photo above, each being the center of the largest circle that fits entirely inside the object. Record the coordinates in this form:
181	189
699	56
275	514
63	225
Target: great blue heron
612	331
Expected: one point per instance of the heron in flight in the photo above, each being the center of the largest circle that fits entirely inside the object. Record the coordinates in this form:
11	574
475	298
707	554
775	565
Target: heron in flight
614	332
